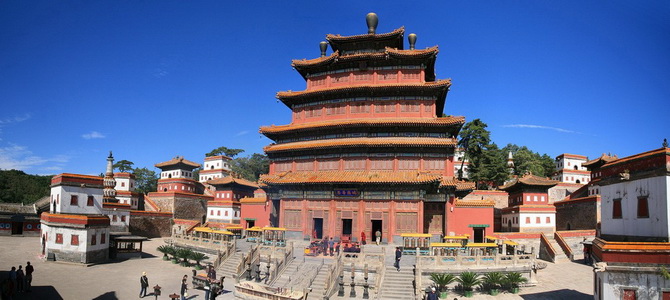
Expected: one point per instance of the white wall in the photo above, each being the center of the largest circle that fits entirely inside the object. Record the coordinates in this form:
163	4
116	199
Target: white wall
124	184
64	193
217	164
533	219
84	238
656	225
176	174
649	285
233	214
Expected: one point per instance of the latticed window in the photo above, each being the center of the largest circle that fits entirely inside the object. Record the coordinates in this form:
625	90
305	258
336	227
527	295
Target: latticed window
354	164
89	201
329	165
381	164
433	164
74	240
304	166
408	164
360	108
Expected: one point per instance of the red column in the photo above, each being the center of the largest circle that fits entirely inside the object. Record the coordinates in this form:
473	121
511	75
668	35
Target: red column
419	224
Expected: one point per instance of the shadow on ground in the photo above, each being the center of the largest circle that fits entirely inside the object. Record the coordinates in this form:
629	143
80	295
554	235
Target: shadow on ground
107	296
558	295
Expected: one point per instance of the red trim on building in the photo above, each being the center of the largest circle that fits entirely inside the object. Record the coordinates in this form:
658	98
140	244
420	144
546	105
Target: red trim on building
89	220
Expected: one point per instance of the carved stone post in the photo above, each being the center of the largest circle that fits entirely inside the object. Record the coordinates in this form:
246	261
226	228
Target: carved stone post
340	292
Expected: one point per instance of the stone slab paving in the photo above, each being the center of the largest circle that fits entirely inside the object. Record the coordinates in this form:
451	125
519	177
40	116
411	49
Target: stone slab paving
120	280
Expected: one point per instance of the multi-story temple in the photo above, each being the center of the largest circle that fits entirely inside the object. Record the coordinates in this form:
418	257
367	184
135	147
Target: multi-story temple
368	148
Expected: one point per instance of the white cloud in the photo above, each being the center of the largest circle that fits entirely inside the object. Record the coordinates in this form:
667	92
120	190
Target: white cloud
14	119
20	158
241	133
539	127
93	135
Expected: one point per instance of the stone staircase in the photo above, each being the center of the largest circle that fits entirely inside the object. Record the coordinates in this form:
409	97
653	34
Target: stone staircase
397	284
229	267
319	284
290	272
560	254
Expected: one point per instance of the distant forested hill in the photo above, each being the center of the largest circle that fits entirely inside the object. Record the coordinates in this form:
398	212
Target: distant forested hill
19	187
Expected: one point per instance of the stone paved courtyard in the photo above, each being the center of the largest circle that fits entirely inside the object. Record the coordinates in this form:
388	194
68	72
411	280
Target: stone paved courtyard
120	280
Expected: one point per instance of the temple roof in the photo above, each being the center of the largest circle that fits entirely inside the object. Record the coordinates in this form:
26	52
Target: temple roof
230	179
393	39
474	203
179	160
603	159
379	142
370	177
424	56
364	122
528	180
458	184
437	88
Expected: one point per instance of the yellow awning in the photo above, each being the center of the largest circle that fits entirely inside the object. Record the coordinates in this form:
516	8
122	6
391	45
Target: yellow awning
274	228
489	237
472	245
416	235
454	245
234	227
511	243
254	229
202	229
456	237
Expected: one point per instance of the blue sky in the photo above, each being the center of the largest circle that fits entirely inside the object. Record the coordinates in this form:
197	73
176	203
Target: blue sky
154	79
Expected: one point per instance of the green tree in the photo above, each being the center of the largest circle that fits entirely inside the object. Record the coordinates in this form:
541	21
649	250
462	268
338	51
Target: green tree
251	167
19	187
224	151
145	180
526	160
474	141
124	165
493	168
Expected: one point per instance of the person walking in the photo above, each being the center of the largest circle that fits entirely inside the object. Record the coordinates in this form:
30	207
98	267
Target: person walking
378	237
331	246
184	288
432	295
144	283
207	288
29	276
363	237
398	255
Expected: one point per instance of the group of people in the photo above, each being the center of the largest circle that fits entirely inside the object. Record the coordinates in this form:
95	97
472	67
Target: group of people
19	280
212	287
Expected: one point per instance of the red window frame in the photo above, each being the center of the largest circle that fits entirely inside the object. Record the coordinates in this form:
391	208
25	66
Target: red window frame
103	238
74	240
617	212
90	200
643	207
59	238
93	240
74	200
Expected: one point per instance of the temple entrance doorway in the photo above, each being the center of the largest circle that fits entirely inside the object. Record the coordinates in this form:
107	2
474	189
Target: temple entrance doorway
318	228
478	235
17	227
251	223
509	225
347	227
377	226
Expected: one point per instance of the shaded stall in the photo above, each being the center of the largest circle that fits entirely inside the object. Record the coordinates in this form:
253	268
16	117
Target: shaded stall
125	246
445	249
487	249
206	234
254	234
412	241
461	239
274	236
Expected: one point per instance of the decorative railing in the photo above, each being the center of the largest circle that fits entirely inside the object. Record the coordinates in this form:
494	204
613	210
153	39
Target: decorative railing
266	292
247	259
223	255
331	277
564	245
425	262
281	264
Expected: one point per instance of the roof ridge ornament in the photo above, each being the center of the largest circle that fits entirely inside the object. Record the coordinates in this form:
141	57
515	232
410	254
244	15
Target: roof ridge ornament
323	46
372	20
412	41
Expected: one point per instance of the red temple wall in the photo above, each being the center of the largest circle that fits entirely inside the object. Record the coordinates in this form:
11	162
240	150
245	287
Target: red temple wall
258	211
397	216
459	219
366	109
367	77
440	165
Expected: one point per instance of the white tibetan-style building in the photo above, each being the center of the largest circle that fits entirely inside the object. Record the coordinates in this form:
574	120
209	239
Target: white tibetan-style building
633	244
215	167
75	228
